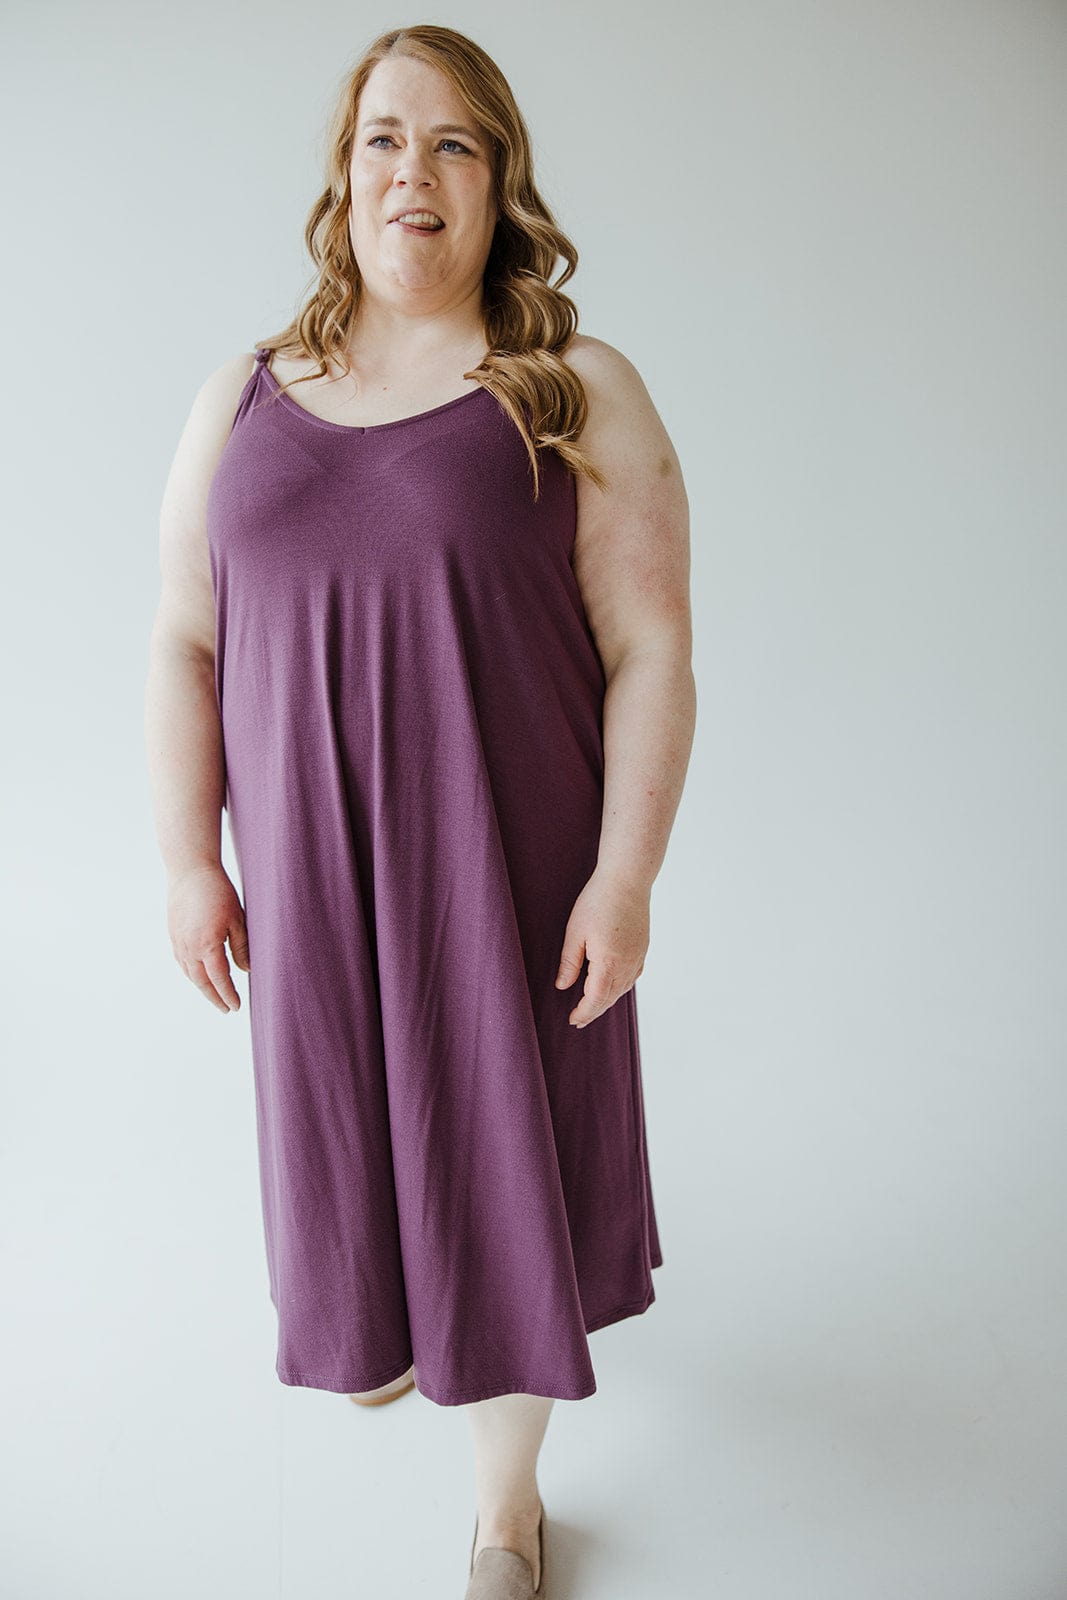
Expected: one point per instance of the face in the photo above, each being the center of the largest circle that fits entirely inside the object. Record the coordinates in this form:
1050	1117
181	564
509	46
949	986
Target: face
416	148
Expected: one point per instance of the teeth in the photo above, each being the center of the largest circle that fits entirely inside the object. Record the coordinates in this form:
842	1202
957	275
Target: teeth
421	219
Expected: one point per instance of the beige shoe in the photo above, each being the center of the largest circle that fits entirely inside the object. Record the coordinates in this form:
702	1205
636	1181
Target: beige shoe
384	1399
503	1574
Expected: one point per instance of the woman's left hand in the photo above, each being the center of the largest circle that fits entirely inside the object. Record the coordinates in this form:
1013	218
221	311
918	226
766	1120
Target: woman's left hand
608	927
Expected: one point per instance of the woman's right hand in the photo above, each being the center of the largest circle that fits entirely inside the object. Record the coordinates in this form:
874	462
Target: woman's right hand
203	911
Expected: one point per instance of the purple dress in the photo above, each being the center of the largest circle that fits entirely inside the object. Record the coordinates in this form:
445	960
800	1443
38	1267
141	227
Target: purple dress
451	1175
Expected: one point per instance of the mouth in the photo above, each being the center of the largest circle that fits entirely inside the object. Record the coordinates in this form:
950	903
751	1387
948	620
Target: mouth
420	222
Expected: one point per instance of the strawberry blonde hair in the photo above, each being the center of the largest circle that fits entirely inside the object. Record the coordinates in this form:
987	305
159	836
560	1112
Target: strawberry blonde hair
528	321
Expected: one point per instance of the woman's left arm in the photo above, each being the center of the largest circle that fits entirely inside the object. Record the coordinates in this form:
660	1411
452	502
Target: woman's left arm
631	561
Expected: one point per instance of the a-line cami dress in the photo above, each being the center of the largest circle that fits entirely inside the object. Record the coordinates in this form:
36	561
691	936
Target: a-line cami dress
452	1175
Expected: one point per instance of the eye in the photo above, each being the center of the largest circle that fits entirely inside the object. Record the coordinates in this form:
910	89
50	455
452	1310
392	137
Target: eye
372	142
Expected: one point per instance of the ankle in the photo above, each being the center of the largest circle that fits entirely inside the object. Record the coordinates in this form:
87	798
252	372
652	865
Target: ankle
511	1515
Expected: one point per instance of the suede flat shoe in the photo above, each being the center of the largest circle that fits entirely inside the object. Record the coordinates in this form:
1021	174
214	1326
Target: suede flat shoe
384	1399
503	1574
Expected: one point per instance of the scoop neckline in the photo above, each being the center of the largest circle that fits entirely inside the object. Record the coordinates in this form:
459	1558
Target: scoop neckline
370	427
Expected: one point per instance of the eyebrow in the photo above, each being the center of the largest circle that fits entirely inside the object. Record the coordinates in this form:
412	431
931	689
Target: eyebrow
438	127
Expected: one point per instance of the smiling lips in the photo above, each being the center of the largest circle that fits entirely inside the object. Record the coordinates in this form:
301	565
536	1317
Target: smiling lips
419	221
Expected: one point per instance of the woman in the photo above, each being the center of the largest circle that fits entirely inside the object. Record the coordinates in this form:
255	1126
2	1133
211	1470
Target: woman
424	632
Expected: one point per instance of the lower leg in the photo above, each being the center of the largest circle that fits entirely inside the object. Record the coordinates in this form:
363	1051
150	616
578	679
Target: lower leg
507	1433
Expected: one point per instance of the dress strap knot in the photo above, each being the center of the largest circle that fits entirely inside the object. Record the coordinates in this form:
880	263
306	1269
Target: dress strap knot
263	354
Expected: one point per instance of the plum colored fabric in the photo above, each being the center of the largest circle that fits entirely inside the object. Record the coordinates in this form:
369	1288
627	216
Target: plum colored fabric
451	1175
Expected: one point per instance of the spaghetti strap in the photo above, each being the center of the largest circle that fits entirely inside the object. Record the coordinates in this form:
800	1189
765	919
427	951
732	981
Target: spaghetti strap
263	355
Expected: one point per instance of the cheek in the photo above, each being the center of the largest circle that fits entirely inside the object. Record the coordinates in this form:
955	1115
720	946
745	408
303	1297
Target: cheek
365	180
477	204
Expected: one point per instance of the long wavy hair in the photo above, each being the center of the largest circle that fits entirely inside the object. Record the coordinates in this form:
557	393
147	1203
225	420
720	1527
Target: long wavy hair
528	321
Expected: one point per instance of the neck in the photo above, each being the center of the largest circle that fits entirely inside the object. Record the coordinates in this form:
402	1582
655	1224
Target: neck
388	336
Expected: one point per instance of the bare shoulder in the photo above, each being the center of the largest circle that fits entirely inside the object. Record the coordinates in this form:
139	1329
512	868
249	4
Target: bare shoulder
186	608
226	382
631	555
622	424
623	434
214	406
209	423
605	372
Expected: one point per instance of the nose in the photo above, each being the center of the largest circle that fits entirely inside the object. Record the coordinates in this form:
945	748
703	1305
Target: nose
413	167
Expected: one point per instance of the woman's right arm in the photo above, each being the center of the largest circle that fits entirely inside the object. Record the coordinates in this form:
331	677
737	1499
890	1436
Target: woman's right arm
183	732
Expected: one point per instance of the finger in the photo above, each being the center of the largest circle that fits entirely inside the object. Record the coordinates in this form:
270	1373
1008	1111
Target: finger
194	971
218	970
238	936
598	998
597	995
570	962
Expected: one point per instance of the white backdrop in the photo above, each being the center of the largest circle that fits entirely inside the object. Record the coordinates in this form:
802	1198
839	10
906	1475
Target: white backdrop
832	239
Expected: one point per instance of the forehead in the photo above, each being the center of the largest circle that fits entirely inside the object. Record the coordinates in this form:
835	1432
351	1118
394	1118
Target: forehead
401	88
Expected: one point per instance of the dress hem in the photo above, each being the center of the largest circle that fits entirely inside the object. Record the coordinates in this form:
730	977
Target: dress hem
490	1391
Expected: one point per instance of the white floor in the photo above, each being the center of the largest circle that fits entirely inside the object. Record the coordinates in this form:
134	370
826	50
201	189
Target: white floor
826	1429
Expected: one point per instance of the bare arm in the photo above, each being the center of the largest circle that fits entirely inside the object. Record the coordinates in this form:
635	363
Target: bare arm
631	560
183	733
